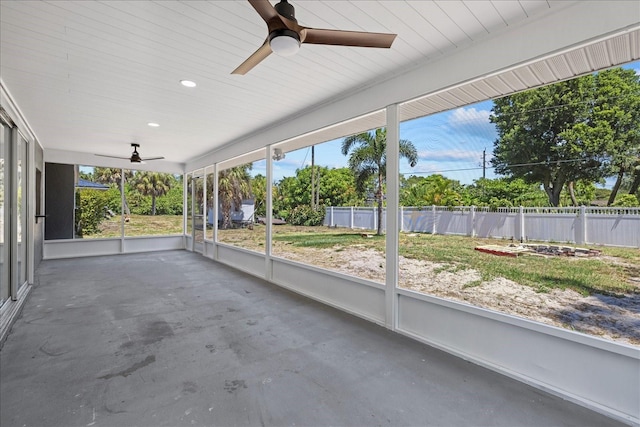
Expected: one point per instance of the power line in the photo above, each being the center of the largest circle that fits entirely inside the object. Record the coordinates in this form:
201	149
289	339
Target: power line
492	167
553	107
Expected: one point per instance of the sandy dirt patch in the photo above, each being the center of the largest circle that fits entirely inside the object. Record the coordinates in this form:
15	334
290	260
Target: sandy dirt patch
612	318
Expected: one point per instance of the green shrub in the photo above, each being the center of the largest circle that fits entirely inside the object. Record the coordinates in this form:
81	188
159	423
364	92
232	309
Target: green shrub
170	203
112	196
91	210
138	204
304	215
626	201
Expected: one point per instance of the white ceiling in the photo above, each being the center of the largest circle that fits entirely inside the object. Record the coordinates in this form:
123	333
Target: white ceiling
90	75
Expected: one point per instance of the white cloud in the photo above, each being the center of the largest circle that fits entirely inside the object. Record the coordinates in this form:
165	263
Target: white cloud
450	155
637	70
464	116
472	122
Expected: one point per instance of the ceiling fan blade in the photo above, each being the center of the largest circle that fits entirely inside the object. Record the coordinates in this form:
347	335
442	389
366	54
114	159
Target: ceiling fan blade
255	58
112	157
153	158
346	38
264	9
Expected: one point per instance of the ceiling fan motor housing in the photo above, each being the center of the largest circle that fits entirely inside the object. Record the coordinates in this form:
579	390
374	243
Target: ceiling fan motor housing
285	9
135	157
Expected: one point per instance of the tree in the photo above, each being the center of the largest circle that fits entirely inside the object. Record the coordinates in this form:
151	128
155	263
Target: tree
515	191
259	189
583	129
152	184
113	177
432	190
616	109
86	175
234	184
337	188
368	161
581	193
172	202
542	138
634	187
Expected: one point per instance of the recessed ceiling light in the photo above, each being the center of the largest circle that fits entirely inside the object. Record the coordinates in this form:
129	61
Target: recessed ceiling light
187	83
153	125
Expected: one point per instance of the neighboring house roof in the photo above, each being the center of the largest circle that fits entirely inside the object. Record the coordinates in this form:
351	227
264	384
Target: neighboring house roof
83	183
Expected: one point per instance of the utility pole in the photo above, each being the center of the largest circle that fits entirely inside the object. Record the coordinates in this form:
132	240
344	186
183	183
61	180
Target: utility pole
484	163
484	168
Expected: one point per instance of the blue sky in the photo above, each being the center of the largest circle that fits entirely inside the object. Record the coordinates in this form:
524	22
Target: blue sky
450	143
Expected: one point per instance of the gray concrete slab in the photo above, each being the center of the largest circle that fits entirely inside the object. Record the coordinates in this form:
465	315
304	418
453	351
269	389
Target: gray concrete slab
174	339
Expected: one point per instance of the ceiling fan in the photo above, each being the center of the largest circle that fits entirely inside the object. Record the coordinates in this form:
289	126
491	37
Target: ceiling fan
135	157
286	36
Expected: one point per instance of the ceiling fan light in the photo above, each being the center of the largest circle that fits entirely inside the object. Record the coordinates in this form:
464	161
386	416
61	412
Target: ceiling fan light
284	42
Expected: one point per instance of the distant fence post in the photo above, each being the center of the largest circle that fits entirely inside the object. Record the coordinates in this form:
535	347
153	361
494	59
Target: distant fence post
471	222
581	226
351	218
401	218
331	217
519	235
375	218
434	228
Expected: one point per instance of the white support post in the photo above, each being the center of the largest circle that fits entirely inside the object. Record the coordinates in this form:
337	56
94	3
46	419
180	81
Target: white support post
184	209
268	273
205	212
401	218
216	208
393	201
123	200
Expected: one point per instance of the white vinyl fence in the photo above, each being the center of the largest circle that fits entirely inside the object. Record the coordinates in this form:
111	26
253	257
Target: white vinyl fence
583	225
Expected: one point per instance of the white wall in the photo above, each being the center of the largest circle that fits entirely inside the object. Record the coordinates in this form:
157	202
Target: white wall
73	248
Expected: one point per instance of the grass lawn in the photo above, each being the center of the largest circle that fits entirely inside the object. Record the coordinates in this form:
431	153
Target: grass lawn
609	273
584	275
140	225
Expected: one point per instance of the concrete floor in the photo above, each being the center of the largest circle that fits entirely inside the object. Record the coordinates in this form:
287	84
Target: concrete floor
174	339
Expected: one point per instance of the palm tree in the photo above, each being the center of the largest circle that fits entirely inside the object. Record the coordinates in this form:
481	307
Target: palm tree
234	184
368	160
113	176
154	184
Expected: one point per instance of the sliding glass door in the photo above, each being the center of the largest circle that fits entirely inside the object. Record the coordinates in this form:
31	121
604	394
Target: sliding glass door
14	239
5	134
21	198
